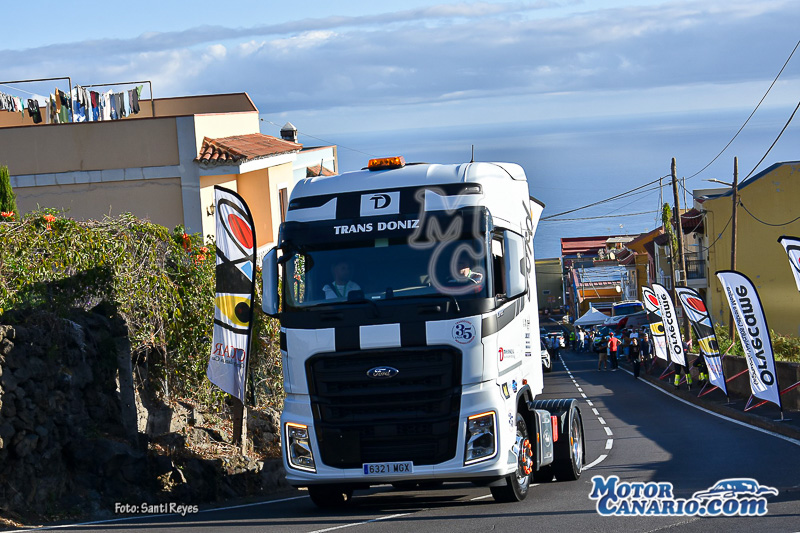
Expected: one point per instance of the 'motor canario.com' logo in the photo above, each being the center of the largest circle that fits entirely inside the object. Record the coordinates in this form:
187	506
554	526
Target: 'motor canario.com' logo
728	497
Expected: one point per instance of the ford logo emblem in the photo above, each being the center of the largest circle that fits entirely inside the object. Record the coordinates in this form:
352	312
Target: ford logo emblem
382	372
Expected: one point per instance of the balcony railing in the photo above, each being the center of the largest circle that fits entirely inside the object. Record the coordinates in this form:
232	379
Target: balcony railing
695	267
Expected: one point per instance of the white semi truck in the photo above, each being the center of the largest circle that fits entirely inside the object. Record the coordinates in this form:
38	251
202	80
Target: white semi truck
410	335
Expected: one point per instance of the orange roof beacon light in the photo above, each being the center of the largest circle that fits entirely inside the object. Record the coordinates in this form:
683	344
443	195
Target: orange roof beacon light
386	163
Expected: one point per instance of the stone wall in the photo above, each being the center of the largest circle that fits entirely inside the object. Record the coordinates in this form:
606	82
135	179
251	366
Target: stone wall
788	374
68	434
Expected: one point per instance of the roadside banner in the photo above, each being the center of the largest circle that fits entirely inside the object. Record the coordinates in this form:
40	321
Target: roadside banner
697	312
235	286
792	247
671	328
656	325
751	323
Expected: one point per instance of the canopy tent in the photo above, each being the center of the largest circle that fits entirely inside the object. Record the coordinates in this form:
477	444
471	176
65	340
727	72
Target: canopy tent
591	317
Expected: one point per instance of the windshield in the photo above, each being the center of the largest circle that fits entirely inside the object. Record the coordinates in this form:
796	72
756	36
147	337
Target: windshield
382	269
627	308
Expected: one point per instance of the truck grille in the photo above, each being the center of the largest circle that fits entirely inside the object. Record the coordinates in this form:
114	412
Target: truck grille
412	416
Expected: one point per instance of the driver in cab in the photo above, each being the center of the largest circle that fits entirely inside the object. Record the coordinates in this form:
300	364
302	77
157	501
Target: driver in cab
341	285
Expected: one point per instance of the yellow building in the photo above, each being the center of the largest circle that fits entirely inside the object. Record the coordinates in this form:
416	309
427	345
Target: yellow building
160	164
768	200
549	283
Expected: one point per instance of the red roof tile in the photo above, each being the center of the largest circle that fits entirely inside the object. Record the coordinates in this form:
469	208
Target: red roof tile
318	170
241	148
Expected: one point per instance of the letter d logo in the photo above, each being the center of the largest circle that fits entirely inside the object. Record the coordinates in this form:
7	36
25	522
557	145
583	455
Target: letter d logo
380	203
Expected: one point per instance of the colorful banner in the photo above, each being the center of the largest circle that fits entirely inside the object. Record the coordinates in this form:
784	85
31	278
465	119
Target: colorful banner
672	329
792	247
236	247
696	310
754	334
656	325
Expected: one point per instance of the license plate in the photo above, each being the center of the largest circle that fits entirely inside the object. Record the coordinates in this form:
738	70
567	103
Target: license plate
373	469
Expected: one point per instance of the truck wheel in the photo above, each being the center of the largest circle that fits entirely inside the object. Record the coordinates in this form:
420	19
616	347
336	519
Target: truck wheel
569	449
517	484
329	496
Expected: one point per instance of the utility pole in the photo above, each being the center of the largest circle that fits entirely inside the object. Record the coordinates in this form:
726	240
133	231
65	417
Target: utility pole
679	233
735	195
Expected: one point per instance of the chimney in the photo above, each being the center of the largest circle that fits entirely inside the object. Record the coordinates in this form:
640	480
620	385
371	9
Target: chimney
289	132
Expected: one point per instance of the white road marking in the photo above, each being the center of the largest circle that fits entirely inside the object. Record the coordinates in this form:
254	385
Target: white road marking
595	462
361	523
609	442
723	417
481	498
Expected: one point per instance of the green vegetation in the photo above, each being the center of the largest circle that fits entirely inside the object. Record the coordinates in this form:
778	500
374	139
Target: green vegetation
786	348
8	200
160	282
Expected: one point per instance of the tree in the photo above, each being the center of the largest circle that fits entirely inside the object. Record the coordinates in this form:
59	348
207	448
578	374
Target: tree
666	220
8	200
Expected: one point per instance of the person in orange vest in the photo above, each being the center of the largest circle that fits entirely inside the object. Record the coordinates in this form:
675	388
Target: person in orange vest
613	347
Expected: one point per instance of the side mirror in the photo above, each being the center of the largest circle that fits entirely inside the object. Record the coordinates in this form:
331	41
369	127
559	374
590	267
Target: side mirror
269	281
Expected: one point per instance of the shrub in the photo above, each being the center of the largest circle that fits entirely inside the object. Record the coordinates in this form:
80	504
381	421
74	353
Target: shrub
161	283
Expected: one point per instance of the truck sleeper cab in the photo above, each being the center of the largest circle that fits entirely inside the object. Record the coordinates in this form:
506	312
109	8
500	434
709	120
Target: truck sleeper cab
409	333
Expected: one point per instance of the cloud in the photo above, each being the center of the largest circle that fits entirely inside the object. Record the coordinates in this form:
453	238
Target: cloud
446	53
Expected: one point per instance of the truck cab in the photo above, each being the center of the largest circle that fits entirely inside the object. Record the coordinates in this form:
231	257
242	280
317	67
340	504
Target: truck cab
409	331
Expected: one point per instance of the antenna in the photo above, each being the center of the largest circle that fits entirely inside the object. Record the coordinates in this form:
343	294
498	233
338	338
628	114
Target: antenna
472	159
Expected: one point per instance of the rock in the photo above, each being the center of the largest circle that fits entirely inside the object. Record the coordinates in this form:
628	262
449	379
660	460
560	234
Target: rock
22	374
8	382
5	346
26	445
7	431
9	410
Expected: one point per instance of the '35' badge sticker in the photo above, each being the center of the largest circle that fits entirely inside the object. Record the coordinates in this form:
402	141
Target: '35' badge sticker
463	332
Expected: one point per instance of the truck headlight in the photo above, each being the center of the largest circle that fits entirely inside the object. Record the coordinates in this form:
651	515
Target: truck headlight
298	448
481	438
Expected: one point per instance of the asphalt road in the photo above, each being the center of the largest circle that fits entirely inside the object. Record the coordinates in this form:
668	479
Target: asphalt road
633	430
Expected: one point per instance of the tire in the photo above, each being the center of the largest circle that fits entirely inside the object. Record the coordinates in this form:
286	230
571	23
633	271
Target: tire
568	463
330	496
517	484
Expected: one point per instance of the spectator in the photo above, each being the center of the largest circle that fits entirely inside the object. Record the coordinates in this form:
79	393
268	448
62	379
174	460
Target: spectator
613	347
635	357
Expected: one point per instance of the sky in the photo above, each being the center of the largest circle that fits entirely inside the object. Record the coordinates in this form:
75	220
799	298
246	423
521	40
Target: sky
592	97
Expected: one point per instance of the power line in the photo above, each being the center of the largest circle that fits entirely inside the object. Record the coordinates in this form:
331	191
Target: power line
774	142
597	217
767	223
615	197
323	140
719	236
751	114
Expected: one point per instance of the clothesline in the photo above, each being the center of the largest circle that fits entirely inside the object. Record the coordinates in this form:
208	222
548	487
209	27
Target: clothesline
78	105
81	105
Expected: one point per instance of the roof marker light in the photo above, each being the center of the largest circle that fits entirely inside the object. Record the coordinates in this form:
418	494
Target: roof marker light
386	163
